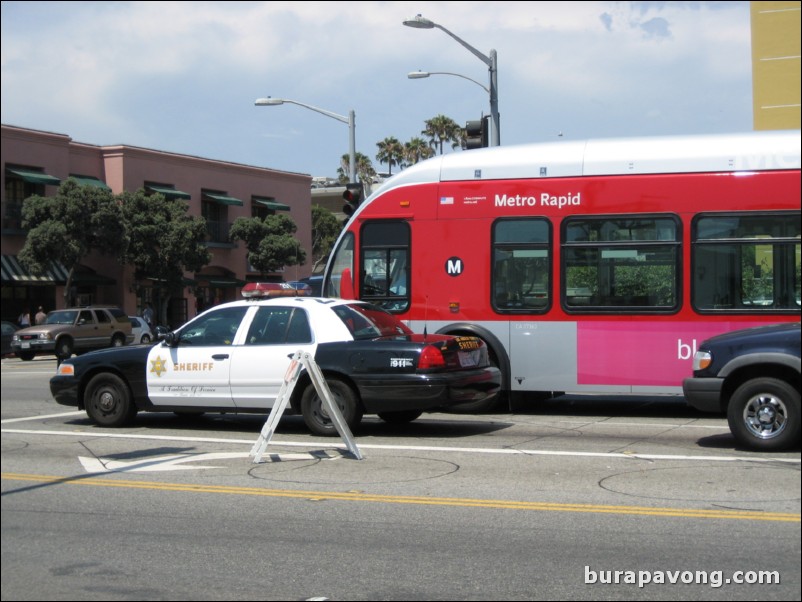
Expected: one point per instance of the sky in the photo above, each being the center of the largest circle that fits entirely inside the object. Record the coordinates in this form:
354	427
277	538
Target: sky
182	77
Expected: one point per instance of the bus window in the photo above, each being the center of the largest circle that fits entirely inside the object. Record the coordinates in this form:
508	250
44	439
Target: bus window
746	262
384	273
343	260
625	264
521	269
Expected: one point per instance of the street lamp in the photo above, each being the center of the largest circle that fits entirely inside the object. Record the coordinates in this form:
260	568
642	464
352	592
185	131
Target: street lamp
424	74
350	121
419	22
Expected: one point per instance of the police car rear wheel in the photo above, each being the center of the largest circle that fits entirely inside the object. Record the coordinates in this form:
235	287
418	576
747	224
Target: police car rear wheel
317	417
108	401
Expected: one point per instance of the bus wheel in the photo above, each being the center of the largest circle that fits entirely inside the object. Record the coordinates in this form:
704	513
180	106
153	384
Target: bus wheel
317	417
764	414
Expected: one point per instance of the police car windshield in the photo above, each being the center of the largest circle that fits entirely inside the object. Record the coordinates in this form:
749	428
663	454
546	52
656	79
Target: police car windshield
369	322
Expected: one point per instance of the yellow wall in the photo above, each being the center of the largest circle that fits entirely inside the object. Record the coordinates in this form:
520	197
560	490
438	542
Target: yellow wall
776	65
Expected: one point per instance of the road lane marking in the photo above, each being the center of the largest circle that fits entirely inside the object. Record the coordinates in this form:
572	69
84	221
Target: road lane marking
350	496
466	450
28	418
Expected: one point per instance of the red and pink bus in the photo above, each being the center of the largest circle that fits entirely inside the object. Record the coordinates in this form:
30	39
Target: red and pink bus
587	267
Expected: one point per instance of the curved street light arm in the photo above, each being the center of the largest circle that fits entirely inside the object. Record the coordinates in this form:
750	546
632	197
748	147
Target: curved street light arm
422	74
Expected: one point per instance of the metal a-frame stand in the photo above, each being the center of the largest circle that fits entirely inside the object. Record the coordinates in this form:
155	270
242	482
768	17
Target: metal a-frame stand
302	358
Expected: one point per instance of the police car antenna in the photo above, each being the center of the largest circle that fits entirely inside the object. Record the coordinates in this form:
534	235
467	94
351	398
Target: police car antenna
425	318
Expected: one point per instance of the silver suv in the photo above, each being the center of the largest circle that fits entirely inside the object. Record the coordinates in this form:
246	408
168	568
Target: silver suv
75	330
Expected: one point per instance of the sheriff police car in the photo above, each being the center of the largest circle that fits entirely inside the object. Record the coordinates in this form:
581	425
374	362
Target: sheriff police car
233	358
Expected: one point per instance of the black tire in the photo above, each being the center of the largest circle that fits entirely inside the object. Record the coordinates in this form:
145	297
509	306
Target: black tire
25	356
64	348
117	340
402	417
317	418
764	414
108	400
145	339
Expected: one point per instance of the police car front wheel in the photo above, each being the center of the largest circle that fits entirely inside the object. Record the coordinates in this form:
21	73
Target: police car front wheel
108	400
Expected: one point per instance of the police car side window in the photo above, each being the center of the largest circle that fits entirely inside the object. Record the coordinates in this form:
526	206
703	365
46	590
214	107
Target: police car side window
279	325
213	329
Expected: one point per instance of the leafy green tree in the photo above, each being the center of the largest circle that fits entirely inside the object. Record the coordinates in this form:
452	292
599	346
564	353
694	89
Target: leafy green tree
391	151
417	150
163	242
364	168
325	229
270	242
69	226
440	130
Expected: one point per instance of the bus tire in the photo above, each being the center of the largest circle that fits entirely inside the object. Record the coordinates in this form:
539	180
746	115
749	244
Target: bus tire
764	414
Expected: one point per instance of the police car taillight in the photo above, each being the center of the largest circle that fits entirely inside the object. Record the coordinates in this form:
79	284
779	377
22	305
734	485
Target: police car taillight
265	290
431	357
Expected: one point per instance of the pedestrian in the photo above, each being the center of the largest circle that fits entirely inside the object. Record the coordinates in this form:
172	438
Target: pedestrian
41	316
24	318
147	315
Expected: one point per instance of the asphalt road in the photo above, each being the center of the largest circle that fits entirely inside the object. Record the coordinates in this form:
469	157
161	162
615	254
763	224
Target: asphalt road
572	499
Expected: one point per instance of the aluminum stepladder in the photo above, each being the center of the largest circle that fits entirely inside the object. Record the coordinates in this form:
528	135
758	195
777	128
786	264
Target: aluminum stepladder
303	358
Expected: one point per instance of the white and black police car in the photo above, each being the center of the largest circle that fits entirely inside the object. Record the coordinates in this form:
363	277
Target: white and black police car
233	358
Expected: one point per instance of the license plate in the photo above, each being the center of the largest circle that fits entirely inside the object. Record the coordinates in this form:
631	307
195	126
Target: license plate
26	345
468	359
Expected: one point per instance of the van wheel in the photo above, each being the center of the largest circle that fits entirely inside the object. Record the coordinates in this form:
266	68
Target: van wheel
764	414
108	400
317	417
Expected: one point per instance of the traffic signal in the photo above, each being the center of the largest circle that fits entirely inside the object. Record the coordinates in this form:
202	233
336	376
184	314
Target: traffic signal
476	133
353	196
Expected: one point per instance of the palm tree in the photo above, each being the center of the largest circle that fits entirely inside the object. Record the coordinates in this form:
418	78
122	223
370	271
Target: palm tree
416	150
391	151
364	168
442	129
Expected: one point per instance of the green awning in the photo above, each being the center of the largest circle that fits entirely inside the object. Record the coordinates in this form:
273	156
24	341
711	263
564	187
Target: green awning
222	199
170	193
90	181
33	177
271	204
14	272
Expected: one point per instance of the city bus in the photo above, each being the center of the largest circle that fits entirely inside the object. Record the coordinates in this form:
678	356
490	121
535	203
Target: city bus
592	267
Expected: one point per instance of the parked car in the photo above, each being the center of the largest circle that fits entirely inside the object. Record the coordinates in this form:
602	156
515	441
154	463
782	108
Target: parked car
9	328
233	357
68	331
752	375
141	331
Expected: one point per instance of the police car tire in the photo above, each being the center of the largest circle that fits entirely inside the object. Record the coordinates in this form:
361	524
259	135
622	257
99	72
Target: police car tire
315	416
108	400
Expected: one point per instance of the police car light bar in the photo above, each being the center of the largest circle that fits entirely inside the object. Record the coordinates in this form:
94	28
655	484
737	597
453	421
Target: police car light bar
265	290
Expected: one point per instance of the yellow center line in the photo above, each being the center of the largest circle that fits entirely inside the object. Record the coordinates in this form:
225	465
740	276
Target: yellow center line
419	500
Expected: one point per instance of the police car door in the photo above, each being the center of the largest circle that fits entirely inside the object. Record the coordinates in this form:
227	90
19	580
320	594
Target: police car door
259	364
195	370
